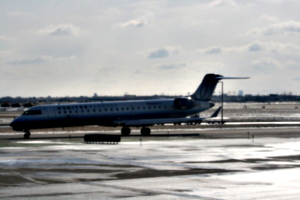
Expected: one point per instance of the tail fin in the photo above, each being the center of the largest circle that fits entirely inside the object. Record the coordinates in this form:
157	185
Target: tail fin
208	85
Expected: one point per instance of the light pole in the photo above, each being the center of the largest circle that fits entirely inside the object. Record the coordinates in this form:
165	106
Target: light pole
222	100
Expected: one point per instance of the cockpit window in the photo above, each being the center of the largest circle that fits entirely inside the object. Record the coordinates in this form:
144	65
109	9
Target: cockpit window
32	112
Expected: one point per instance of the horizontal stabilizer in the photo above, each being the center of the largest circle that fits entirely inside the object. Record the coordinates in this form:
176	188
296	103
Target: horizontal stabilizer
222	77
215	114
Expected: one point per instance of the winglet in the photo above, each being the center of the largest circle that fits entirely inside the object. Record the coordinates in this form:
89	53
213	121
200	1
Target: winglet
215	114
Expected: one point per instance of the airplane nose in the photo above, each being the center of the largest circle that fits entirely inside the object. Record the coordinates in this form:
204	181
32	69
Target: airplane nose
16	125
13	124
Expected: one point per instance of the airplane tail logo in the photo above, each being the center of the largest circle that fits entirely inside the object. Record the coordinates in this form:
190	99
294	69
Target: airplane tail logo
207	87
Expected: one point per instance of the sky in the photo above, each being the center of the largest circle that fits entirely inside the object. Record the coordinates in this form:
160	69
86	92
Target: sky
74	48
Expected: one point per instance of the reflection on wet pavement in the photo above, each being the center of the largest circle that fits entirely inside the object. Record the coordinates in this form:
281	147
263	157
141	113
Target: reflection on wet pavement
163	168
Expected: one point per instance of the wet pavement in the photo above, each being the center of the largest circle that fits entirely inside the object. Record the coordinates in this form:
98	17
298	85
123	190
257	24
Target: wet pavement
216	164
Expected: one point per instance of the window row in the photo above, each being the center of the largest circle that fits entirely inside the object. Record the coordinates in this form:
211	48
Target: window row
69	111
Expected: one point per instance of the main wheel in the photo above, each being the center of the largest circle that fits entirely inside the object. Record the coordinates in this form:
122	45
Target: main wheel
125	131
145	131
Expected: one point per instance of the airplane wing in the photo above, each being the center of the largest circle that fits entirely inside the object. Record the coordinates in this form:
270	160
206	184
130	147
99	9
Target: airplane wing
150	122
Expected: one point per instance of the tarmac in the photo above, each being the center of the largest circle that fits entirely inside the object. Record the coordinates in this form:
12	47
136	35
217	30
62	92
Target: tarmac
224	162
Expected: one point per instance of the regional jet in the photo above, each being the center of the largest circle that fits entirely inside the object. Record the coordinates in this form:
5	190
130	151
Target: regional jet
138	113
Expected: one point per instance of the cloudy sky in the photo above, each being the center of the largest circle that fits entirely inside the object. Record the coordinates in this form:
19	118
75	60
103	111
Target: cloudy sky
68	48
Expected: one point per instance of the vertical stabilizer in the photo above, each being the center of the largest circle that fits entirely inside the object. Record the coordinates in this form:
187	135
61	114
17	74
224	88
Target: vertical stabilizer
207	87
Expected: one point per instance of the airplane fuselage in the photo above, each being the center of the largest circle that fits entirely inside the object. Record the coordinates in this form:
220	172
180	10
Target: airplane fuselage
102	113
142	113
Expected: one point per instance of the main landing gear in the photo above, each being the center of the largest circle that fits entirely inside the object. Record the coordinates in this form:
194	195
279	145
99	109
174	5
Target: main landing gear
145	131
26	134
125	131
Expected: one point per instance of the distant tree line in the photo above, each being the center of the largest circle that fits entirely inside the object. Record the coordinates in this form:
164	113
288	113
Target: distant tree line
31	101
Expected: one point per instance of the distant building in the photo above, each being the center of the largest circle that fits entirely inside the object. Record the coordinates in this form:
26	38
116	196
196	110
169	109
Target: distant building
129	95
241	93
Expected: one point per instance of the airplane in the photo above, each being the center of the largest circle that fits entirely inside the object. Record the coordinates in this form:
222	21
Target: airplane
135	113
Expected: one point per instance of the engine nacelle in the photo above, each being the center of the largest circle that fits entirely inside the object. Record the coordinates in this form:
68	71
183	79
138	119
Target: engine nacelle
184	103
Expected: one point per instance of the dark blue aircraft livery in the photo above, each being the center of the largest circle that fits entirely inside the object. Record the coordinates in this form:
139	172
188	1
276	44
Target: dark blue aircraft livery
139	113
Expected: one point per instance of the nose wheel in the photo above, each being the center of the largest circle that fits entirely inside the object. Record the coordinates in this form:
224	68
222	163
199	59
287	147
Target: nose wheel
26	134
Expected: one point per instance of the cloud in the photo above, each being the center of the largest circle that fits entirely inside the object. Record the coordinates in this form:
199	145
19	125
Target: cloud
297	79
4	38
18	14
213	50
60	30
265	65
255	46
289	27
37	60
159	53
66	58
171	66
163	52
269	18
219	3
140	22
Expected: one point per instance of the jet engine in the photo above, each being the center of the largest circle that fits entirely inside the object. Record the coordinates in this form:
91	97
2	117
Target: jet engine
184	103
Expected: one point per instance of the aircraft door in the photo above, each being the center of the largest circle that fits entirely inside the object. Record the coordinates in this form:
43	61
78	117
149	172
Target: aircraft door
51	115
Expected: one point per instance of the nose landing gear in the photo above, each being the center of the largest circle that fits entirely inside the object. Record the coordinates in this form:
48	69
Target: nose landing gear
26	134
